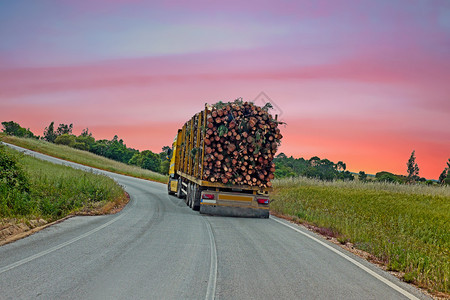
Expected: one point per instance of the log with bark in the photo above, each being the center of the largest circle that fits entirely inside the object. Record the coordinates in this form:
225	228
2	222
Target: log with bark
240	140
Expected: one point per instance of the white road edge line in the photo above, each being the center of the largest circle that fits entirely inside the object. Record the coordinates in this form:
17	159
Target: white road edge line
211	289
48	251
358	264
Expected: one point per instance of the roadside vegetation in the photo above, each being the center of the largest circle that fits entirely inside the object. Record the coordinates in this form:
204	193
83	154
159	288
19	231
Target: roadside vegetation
83	157
33	189
114	149
404	226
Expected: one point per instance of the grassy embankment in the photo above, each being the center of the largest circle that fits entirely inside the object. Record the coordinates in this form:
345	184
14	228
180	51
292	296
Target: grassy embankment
83	157
407	227
44	190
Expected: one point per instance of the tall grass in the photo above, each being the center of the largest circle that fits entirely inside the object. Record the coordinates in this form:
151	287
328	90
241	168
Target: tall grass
405	226
56	191
83	157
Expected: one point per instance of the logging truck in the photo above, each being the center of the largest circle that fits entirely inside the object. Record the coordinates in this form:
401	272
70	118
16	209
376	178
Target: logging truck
221	160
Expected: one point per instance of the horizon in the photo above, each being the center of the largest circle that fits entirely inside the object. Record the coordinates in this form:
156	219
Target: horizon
155	151
361	82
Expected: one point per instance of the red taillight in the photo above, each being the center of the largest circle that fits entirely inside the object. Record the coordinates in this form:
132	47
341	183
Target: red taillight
208	196
263	201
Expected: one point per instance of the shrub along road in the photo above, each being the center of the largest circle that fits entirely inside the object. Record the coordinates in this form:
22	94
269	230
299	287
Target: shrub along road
158	248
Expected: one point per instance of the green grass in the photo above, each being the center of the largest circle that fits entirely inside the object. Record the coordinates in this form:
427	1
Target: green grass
83	157
405	226
56	191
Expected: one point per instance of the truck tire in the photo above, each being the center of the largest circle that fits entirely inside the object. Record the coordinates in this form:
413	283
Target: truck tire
191	194
196	198
179	193
188	195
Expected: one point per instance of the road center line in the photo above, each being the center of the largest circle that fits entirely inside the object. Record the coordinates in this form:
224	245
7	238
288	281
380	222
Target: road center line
358	264
48	251
211	289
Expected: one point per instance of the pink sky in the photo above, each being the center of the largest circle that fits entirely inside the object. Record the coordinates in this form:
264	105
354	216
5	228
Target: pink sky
365	82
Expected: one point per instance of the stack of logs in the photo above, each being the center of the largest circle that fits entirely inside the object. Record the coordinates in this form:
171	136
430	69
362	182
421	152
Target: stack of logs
240	140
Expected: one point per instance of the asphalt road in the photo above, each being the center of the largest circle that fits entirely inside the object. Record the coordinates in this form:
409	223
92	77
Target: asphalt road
157	248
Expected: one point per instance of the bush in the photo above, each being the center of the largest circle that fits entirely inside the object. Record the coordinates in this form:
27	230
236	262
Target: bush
387	177
10	172
14	186
66	139
84	142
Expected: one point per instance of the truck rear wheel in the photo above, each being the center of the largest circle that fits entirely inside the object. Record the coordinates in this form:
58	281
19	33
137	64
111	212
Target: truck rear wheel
191	195
188	195
196	198
179	193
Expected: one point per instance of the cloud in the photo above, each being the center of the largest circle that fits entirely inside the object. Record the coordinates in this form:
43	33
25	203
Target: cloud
425	76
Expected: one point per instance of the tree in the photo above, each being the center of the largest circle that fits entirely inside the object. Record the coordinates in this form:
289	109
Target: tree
445	175
49	133
117	150
13	128
413	168
283	171
166	148
164	168
100	147
346	175
362	176
341	166
281	156
146	160
151	161
86	132
314	161
64	129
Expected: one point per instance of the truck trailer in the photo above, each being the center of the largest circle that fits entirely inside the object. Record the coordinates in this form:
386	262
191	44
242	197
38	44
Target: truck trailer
221	160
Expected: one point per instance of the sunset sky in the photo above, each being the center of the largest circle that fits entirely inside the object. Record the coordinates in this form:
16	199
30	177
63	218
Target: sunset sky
364	82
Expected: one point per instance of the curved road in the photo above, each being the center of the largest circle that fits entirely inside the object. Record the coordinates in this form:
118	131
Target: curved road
157	248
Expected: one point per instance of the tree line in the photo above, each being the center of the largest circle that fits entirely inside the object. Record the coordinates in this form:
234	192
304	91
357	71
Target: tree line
325	169
114	149
315	167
